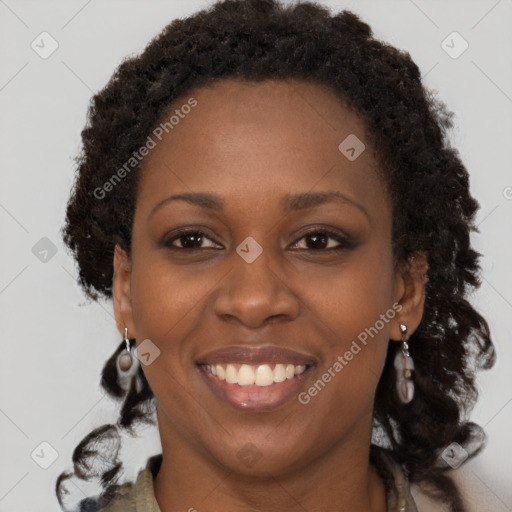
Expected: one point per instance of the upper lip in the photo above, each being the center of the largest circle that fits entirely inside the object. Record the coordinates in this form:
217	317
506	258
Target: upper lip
255	355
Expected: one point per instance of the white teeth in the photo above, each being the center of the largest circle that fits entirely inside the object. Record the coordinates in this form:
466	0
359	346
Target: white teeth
279	373
245	375
300	369
264	376
259	375
231	374
220	372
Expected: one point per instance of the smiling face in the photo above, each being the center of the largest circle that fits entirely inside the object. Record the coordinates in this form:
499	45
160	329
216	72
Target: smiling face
289	248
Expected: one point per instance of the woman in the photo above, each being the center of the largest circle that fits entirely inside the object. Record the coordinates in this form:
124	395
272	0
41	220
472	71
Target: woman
268	196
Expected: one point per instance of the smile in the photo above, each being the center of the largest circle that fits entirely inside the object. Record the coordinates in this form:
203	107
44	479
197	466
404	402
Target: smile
255	378
259	375
255	388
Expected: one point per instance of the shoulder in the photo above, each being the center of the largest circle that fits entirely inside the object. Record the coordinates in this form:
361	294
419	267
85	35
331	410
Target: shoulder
138	496
125	501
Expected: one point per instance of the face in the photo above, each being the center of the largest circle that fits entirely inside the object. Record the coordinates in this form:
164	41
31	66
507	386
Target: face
289	250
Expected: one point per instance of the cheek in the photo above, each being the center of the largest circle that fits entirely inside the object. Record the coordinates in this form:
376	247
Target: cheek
165	296
352	296
357	309
165	305
161	301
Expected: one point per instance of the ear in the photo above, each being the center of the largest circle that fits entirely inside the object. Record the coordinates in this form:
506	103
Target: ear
121	288
411	278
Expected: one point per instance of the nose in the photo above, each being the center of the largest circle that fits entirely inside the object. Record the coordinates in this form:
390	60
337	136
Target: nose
255	293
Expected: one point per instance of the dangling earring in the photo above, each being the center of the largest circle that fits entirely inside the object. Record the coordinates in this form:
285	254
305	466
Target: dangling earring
125	360
404	367
127	365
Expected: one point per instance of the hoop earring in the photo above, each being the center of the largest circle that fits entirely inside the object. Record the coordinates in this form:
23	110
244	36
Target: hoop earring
404	366
125	359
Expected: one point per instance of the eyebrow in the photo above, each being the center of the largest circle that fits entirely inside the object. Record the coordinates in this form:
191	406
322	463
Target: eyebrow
290	202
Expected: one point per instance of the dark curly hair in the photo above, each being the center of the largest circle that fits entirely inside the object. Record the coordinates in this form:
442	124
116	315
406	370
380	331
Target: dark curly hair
433	210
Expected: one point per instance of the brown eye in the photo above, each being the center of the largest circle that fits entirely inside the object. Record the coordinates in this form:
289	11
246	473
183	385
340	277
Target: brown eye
189	240
323	240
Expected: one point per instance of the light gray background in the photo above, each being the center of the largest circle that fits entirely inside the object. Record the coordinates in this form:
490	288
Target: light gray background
54	342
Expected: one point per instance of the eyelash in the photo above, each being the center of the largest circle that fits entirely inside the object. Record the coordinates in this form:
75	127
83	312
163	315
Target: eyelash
344	243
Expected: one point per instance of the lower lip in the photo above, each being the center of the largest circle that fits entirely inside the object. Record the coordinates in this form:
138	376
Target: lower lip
255	398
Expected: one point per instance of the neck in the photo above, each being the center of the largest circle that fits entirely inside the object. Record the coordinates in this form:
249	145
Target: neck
341	479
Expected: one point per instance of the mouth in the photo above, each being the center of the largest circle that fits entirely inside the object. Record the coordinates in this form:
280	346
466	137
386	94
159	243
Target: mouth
255	379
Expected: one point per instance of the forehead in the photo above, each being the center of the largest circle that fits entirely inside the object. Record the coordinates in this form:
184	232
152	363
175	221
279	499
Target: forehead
259	138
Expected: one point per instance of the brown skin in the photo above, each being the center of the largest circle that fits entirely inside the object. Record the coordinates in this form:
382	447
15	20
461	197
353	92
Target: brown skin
252	144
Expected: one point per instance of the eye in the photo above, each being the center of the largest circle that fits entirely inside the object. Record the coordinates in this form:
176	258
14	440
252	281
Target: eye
189	239
318	240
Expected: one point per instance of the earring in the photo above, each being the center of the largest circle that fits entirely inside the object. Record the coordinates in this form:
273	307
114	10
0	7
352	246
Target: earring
127	365
125	360
404	366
